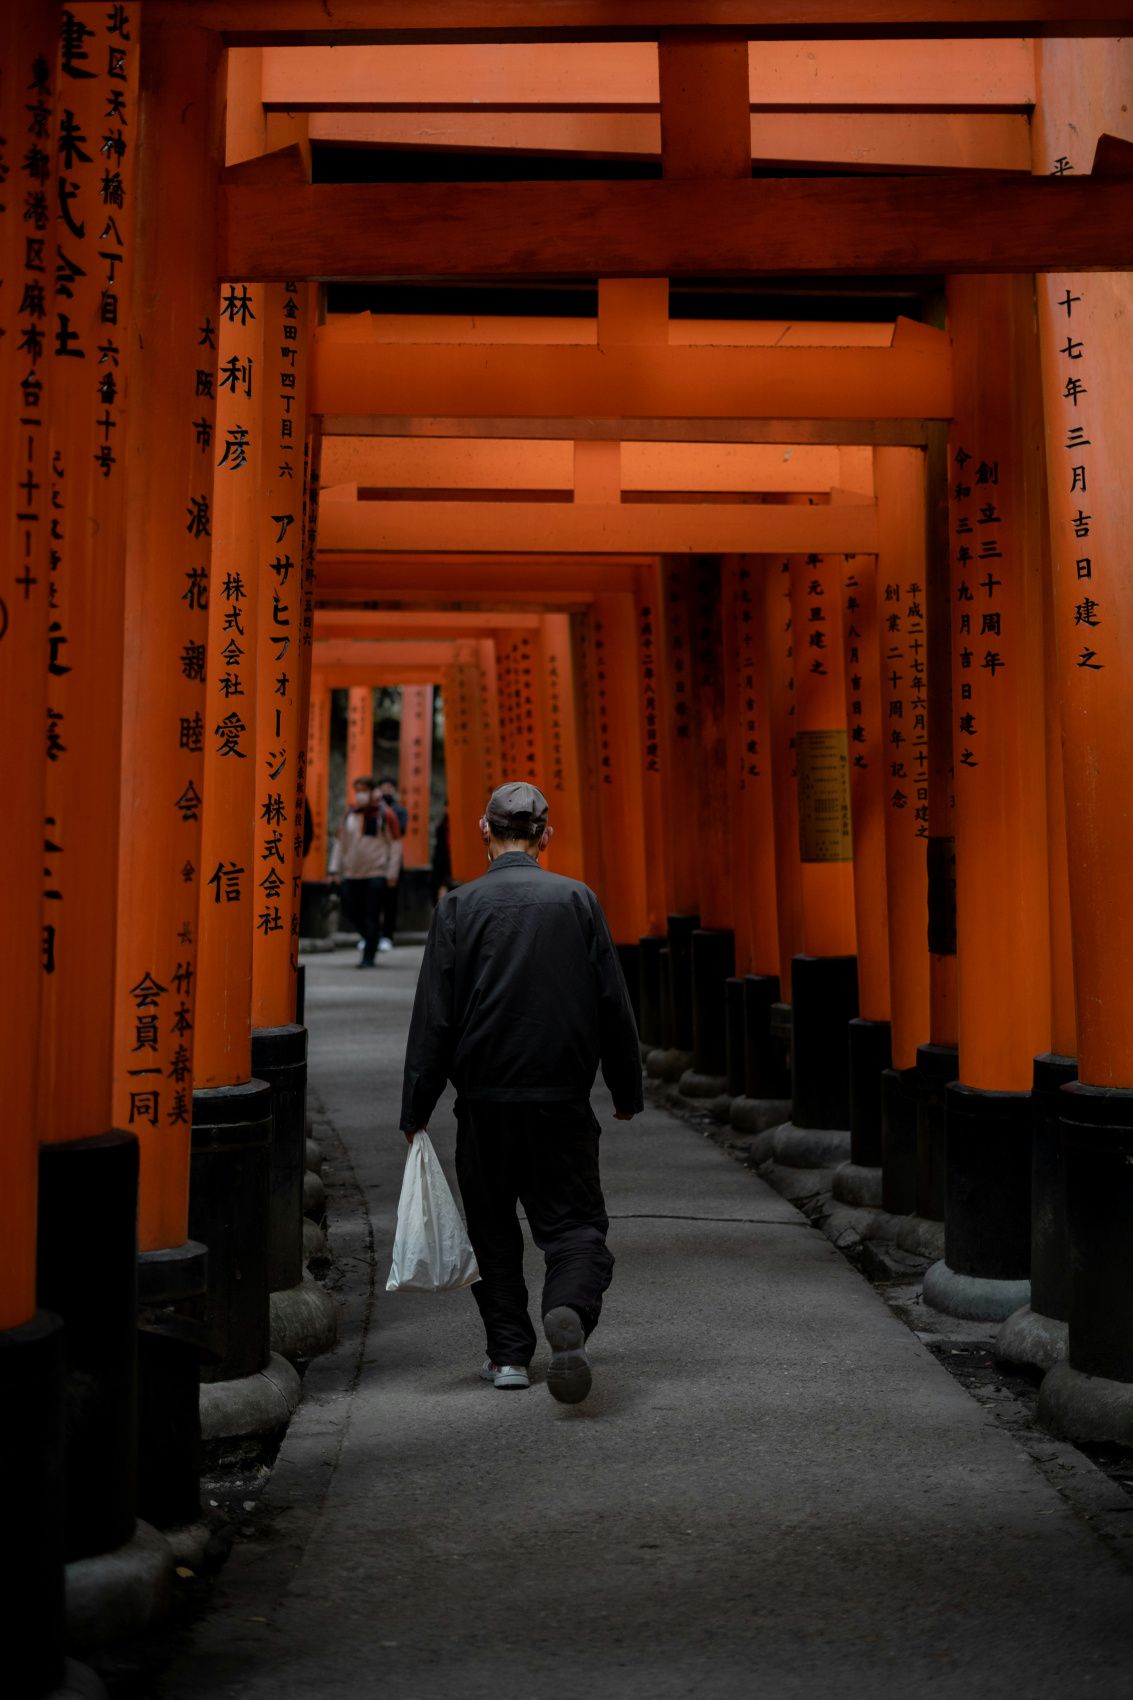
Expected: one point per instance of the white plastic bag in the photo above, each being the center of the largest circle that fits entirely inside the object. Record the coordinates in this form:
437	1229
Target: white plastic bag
431	1253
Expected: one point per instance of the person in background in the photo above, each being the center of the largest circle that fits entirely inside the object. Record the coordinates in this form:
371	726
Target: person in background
521	997
387	792
361	858
440	878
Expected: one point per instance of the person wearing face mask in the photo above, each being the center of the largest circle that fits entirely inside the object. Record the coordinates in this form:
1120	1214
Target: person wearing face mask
521	998
361	859
387	790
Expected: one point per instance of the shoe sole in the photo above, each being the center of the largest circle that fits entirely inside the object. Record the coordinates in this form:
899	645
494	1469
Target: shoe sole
568	1375
513	1382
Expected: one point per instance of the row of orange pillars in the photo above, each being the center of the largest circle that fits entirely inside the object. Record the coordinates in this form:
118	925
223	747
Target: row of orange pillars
861	825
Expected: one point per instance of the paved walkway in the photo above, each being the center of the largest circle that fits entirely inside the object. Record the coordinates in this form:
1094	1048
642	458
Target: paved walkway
773	1491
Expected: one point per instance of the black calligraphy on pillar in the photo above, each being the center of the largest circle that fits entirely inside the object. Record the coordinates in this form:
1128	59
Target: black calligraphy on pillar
981	635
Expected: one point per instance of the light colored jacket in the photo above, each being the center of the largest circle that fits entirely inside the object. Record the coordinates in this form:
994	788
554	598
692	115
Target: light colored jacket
358	857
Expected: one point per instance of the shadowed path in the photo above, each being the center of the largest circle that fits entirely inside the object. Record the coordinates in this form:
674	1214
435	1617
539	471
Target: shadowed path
774	1490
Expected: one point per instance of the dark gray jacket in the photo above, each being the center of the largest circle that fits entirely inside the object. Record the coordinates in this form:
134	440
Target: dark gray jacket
521	997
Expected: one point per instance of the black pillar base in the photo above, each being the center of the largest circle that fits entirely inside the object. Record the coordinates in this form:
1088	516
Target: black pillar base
681	929
766	1073
735	1036
650	1028
987	1201
713	963
871	1053
300	994
87	1275
1050	1251
937	1066
318	909
229	1192
899	1090
1097	1153
31	1444
824	1000
668	1018
172	1343
628	955
279	1058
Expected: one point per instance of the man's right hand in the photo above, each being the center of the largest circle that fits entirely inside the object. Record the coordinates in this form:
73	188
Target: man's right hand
409	1136
624	1115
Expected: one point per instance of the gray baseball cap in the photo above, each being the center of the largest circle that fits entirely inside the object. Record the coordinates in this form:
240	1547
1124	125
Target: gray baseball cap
517	804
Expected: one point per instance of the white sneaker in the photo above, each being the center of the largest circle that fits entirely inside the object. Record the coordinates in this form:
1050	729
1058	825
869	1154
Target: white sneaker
385	944
361	945
505	1375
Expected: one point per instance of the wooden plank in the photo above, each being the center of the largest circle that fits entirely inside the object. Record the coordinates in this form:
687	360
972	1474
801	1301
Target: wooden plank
823	227
894	141
909	433
482	527
356	22
621	77
910	379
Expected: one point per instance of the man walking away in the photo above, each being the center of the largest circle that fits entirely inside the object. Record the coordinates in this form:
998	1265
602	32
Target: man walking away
521	997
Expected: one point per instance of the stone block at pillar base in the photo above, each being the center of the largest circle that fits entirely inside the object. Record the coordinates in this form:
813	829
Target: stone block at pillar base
756	1115
304	1321
79	1683
314	1156
1086	1408
118	1593
1032	1340
314	1196
694	1085
315	1248
921	1236
250	1404
810	1147
720	1109
858	1184
667	1064
975	1298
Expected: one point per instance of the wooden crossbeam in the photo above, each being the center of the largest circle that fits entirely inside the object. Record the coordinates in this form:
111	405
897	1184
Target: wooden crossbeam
904	433
695	528
825	227
383	22
911	379
406	624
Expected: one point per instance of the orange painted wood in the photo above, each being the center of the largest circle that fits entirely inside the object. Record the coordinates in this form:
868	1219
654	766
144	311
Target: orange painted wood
677	733
359	727
779	638
306	22
170	455
617	798
521	527
489	699
631	311
230	868
279	743
559	768
867	723
318	778
706	787
820	709
894	141
902	648
592	75
705	99
908	377
656	778
410	624
820	226
750	760
90	383
464	767
998	515
28	116
1083	332
415	768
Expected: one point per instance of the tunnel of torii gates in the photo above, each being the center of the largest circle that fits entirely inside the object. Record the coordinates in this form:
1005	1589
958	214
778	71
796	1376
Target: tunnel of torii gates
812	618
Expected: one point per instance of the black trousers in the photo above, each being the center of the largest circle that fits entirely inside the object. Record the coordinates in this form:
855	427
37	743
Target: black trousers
364	902
545	1156
389	908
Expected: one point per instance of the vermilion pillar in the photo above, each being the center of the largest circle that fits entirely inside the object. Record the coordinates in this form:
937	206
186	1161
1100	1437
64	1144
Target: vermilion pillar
1083	320
559	765
903	657
318	779
359	733
755	1060
464	767
824	976
655	792
867	714
88	1191
999	560
415	770
779	638
31	1341
714	941
618	801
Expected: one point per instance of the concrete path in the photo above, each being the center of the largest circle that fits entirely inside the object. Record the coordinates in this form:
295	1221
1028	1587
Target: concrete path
773	1491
